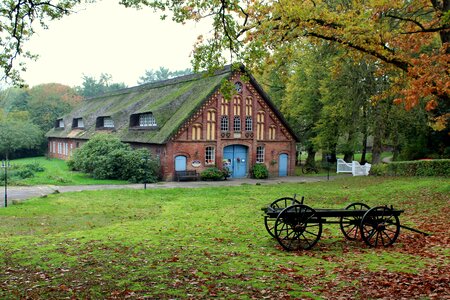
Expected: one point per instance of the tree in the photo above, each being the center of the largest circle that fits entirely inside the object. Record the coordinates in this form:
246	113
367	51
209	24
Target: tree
92	87
17	21
411	36
17	132
47	102
161	74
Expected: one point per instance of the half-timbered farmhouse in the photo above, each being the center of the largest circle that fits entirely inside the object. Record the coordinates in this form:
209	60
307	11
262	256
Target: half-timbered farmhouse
187	124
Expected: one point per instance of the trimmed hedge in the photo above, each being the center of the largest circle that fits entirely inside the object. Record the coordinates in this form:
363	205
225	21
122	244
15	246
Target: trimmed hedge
436	167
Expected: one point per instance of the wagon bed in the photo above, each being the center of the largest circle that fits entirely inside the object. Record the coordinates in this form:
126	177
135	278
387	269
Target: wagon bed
297	226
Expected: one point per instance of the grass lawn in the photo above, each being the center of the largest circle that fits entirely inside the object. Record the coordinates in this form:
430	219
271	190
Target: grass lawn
211	242
56	173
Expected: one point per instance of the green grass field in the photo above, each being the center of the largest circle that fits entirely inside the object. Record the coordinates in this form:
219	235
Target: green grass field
56	173
211	243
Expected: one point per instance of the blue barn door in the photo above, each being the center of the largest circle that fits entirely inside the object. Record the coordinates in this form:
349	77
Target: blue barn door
180	163
236	155
283	165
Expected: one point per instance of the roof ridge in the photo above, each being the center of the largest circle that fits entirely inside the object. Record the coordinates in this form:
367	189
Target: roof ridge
167	82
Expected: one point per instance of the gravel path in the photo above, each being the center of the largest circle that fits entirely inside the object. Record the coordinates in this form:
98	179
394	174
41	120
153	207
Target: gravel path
20	193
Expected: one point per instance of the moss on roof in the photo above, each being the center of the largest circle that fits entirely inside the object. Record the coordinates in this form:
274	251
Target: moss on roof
171	102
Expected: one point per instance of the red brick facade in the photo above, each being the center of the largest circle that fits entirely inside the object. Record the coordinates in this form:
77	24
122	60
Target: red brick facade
251	121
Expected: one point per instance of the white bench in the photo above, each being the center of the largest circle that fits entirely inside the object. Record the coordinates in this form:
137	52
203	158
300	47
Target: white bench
354	167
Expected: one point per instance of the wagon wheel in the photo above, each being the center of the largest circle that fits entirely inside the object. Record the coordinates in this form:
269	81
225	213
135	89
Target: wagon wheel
279	203
350	225
379	226
298	227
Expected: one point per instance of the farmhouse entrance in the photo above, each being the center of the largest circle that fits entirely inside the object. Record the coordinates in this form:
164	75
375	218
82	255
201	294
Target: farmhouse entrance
236	158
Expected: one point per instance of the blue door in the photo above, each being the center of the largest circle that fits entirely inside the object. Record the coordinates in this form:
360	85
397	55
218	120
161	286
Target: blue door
283	165
236	155
180	163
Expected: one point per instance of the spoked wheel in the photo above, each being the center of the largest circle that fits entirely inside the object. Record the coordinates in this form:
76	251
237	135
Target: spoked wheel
380	227
350	226
298	228
280	204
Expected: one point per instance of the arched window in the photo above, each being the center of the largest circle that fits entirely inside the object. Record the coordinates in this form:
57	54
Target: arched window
260	126
224	107
272	132
196	132
237	105
248	106
211	125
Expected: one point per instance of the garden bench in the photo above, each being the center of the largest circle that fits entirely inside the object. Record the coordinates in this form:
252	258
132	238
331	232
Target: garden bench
354	167
186	175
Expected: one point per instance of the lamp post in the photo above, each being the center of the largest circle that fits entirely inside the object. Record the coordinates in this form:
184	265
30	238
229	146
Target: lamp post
6	165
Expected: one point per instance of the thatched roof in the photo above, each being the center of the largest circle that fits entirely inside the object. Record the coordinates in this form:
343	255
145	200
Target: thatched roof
171	102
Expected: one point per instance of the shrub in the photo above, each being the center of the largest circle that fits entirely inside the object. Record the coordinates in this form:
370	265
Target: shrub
259	171
213	174
439	167
106	157
378	170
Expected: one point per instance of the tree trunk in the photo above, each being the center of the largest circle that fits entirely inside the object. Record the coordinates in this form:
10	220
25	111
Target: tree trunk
377	147
311	158
365	136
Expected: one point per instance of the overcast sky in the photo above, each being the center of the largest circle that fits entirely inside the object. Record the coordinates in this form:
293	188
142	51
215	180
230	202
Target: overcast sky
105	37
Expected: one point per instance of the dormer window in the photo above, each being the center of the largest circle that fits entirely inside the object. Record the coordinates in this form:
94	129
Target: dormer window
143	121
105	122
147	120
78	123
59	124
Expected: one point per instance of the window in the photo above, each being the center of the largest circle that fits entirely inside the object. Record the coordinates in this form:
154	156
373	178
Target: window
224	123
210	156
59	123
237	123
104	122
211	125
147	120
260	126
248	123
248	106
259	154
78	123
238	87
237	105
272	132
224	107
108	122
196	132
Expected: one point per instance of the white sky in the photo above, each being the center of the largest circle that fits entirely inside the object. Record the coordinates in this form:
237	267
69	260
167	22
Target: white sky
106	37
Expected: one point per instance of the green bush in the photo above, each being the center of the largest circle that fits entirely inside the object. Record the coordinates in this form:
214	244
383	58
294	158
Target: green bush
106	157
438	167
260	171
378	170
213	174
